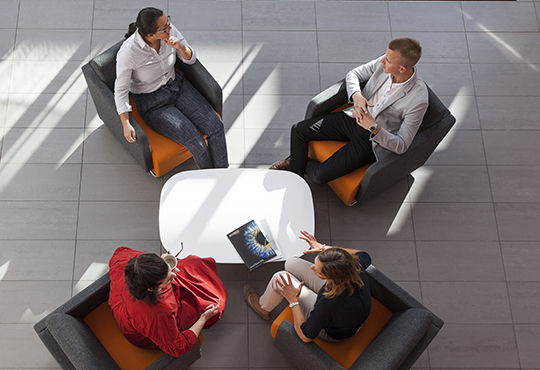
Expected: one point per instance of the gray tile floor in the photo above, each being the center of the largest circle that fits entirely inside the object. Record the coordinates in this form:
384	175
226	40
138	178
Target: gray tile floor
461	233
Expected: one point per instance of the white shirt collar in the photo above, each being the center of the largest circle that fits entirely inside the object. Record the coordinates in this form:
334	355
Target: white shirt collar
139	40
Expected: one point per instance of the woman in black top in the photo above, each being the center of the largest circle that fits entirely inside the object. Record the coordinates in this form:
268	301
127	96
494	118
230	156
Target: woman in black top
329	298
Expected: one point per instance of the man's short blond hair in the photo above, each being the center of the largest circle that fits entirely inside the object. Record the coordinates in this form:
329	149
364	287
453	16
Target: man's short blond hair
410	50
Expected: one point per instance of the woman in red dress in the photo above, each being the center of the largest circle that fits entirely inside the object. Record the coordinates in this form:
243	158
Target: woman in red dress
156	306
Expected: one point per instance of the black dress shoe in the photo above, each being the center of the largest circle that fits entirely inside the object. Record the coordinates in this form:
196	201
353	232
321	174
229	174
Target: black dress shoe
280	165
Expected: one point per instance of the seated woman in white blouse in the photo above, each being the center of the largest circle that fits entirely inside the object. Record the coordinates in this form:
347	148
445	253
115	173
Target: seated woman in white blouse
167	102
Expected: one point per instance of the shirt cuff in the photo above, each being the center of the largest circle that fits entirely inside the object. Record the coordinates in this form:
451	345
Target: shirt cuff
124	108
191	337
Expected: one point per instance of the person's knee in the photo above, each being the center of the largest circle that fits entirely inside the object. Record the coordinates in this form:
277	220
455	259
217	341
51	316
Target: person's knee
276	277
297	132
296	266
314	172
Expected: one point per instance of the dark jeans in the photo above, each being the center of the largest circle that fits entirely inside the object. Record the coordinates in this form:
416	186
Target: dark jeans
177	110
334	126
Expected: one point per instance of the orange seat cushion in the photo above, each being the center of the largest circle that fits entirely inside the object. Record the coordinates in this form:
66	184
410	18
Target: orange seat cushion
346	352
347	185
166	153
126	355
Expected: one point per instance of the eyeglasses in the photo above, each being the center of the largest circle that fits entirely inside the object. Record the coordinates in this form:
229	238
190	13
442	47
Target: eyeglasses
167	26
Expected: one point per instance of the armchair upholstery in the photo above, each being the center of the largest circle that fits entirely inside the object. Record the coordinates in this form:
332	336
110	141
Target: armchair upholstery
388	170
397	346
74	345
100	75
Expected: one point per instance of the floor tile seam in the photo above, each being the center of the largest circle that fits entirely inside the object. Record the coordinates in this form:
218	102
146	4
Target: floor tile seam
67	201
505	130
44	60
119	201
537	9
317	43
463	281
462	201
41	280
523	281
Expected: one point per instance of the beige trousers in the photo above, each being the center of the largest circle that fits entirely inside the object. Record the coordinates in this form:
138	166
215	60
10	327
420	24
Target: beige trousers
299	270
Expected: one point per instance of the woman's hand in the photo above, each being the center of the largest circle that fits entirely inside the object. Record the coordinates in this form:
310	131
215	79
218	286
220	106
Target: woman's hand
129	131
208	313
173	42
211	311
287	290
314	245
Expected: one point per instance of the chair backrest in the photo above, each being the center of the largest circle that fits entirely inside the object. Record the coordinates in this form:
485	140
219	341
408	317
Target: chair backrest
435	112
105	65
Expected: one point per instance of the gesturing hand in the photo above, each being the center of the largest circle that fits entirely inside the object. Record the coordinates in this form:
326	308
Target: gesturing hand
287	290
314	245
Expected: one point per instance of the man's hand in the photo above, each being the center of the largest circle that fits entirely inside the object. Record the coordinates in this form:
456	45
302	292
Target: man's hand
365	120
287	290
129	133
360	111
361	104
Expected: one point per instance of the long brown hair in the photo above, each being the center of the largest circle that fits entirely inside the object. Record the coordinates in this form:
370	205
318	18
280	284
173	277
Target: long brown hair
342	271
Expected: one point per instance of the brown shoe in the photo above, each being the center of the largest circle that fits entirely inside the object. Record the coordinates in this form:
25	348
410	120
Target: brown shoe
282	165
248	290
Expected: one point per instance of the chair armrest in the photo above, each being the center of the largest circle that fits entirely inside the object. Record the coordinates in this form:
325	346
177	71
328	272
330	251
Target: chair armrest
304	356
103	98
79	343
83	302
168	362
204	82
391	168
395	341
327	100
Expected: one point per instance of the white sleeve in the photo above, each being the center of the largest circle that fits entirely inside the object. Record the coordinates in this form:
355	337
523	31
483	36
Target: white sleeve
176	33
122	84
360	74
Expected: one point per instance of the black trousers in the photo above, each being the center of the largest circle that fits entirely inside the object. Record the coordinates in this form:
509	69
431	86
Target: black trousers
334	126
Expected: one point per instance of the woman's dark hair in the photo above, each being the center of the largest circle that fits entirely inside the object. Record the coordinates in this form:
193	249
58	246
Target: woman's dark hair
146	22
342	271
147	271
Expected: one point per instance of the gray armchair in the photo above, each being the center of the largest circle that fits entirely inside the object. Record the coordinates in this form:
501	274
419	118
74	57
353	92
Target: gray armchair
389	170
75	346
100	75
396	347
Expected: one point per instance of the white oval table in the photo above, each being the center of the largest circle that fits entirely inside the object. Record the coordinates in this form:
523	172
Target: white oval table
199	208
